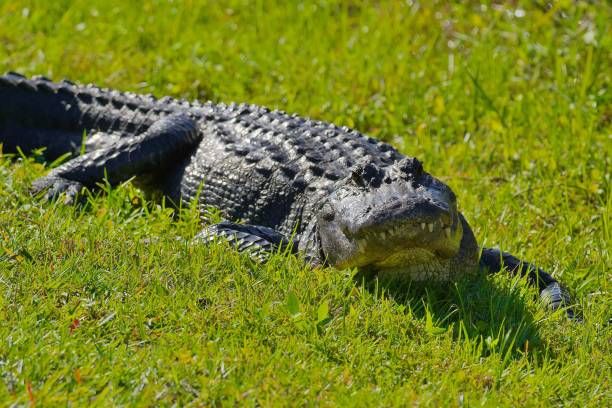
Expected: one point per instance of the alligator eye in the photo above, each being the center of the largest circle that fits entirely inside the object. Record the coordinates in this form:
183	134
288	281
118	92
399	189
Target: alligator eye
327	213
367	174
357	176
411	167
371	173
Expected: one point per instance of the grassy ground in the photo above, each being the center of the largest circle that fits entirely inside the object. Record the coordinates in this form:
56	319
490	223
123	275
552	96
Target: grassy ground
509	104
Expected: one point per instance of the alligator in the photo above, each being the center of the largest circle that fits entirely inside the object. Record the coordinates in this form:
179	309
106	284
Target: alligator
332	194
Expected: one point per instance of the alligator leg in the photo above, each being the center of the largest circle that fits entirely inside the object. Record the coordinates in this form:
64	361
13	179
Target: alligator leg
166	141
493	260
258	241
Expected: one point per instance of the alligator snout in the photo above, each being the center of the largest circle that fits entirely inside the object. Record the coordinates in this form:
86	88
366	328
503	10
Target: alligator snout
427	214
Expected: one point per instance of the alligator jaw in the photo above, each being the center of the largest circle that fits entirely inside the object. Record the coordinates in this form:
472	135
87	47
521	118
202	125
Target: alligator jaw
415	264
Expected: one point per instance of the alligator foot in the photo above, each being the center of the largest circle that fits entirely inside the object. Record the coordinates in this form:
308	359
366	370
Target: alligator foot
54	186
493	260
258	241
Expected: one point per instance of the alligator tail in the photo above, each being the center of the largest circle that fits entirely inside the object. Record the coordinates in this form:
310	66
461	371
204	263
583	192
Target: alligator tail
37	113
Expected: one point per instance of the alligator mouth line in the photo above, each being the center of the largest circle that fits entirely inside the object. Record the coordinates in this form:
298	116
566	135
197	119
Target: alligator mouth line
404	230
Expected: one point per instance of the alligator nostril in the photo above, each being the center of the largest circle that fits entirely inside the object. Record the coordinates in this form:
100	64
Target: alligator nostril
328	216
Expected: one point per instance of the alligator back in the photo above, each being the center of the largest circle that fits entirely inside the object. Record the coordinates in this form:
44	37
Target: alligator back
38	113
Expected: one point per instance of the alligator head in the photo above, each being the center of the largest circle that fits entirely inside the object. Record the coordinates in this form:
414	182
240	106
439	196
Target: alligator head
398	221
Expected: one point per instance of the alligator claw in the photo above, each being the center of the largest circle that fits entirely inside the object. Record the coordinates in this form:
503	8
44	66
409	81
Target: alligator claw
54	187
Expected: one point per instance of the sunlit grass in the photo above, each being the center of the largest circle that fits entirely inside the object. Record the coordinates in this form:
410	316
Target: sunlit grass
510	105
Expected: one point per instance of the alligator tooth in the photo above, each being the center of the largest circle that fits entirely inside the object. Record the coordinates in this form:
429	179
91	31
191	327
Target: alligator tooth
361	244
422	225
430	226
383	235
447	232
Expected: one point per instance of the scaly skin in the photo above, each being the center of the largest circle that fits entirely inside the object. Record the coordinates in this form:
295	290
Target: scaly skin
343	197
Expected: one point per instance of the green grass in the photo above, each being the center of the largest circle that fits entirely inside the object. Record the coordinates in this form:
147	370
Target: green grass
509	104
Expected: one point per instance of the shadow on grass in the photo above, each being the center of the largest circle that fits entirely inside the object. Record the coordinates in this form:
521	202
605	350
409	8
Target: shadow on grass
494	318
